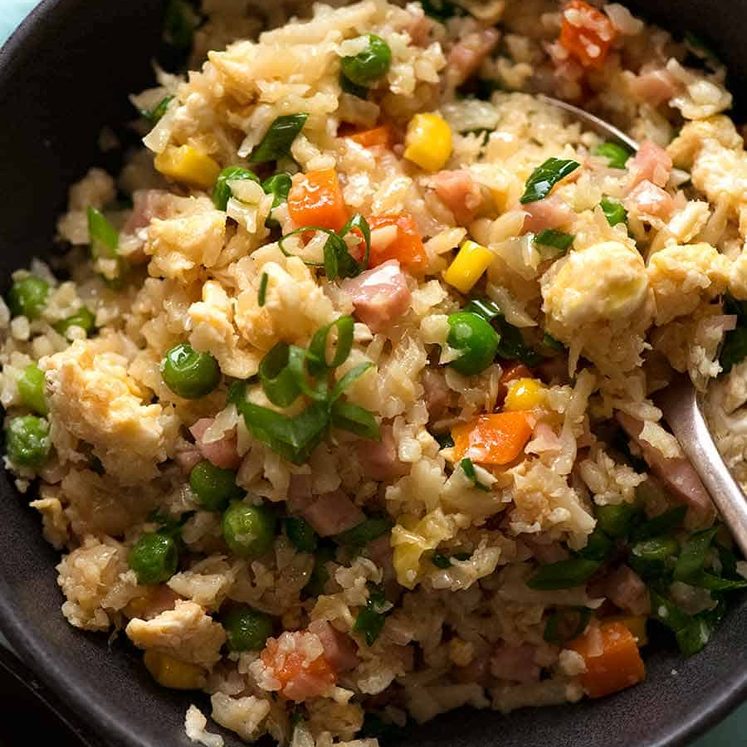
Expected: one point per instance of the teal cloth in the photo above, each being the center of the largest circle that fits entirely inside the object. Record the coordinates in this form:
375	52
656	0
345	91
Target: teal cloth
728	734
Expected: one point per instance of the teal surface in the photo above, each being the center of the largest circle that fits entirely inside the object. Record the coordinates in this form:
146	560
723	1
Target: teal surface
731	733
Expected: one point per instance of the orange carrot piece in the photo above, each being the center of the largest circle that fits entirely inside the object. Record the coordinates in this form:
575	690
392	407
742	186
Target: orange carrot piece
381	135
407	247
613	661
316	200
493	439
586	33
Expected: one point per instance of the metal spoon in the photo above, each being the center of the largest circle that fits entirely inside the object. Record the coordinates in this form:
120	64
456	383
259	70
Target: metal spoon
679	401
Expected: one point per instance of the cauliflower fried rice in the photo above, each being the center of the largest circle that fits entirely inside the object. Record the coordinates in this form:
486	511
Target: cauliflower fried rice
340	406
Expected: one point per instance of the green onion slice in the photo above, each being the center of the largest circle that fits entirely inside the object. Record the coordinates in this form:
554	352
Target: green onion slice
279	137
352	375
279	381
558	240
343	326
545	177
104	237
262	293
222	191
468	468
617	155
565	625
613	211
365	532
355	419
661	524
564	574
155	113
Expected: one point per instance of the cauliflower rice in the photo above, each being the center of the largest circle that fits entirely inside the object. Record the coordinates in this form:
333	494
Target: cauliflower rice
342	479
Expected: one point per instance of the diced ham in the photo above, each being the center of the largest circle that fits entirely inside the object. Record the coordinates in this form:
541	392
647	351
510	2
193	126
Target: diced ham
468	54
478	670
332	513
148	204
626	590
515	663
222	453
459	192
340	650
652	163
299	493
380	551
419	29
379	459
653	87
380	296
187	456
676	473
650	200
546	552
552	212
436	393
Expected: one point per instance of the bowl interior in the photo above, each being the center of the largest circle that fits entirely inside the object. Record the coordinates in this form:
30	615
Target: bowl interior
62	77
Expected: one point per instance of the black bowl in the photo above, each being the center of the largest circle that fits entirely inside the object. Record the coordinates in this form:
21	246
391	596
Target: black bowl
64	75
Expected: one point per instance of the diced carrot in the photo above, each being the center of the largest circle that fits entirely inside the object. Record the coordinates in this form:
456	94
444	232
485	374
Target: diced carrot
586	33
381	135
299	677
493	439
406	247
636	624
316	200
613	661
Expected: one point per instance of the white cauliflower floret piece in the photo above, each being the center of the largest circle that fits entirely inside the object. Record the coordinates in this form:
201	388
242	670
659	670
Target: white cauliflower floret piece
186	632
92	397
682	277
598	302
97	582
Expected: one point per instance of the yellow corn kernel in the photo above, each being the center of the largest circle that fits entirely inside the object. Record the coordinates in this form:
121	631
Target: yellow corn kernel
636	624
524	394
173	673
468	266
188	165
428	141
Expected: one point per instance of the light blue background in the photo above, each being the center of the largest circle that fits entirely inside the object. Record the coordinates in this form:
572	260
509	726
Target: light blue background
731	733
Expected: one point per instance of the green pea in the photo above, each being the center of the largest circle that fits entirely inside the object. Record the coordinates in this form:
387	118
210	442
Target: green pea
83	318
188	373
154	558
300	533
28	297
477	340
320	572
213	487
369	65
222	190
249	531
31	389
27	441
247	629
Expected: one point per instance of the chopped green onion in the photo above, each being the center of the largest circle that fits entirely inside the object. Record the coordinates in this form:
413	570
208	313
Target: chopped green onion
469	470
598	546
661	524
28	297
444	440
370	64
545	177
222	191
365	532
278	185
616	521
667	612
485	308
440	560
180	22
441	10
558	240
617	155
300	533
320	343
347	380
279	381
693	636
649	557
355	419
613	211
565	625
690	568
734	347
104	238
371	619
320	573
279	137
550	342
31	389
351	88
262	293
155	113
564	574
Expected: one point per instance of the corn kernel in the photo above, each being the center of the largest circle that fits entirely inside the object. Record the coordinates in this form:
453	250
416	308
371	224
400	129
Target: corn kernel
173	673
524	394
468	266
188	165
636	624
428	141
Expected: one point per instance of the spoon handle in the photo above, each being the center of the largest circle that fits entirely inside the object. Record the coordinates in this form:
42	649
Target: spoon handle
681	410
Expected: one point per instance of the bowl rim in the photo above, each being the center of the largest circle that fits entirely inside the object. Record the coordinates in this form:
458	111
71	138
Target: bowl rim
86	716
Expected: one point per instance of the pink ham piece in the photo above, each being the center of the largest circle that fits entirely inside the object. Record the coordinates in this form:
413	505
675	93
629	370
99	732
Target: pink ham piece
652	163
379	459
419	29
340	650
676	473
552	212
187	457
148	204
332	513
459	192
380	296
221	453
478	670
625	589
468	54
515	663
654	87
650	200
436	393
